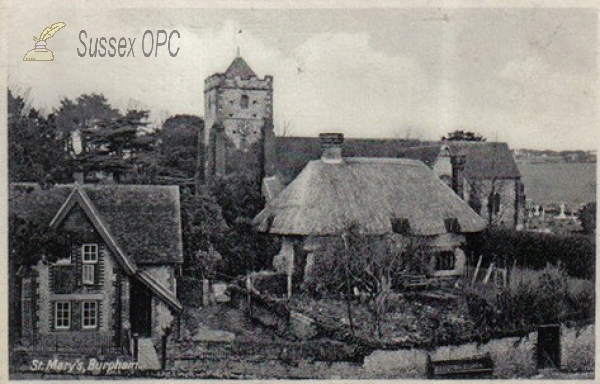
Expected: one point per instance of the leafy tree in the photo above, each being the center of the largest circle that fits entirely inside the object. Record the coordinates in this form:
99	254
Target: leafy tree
243	248
121	146
239	195
587	215
460	135
85	112
202	225
35	145
29	242
180	161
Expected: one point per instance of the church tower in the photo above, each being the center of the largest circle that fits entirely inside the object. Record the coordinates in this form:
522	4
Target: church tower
238	120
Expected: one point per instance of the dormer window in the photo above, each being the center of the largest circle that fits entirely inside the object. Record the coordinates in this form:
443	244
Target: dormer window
401	226
89	258
452	225
244	101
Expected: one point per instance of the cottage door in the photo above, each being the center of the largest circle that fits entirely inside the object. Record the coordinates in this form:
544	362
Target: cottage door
140	309
548	347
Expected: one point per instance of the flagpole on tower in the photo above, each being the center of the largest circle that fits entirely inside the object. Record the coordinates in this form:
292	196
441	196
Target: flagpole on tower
237	42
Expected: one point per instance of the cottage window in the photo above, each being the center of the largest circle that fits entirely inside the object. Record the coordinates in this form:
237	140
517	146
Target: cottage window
444	261
90	259
244	101
89	314
62	315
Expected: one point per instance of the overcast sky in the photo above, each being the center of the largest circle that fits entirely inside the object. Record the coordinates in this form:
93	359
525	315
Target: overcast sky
525	76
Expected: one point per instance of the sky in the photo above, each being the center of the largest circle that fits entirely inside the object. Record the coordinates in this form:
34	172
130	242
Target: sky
526	76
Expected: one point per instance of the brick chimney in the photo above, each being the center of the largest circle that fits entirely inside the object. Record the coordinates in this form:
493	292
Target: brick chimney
458	170
331	144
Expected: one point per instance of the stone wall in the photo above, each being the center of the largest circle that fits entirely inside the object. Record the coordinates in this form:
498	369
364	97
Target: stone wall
507	189
105	293
235	134
513	356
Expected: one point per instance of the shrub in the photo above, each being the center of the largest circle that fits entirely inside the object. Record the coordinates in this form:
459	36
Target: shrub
532	298
575	252
189	291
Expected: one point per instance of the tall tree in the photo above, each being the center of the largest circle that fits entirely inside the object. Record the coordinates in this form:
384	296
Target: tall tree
35	145
85	112
180	151
122	147
202	226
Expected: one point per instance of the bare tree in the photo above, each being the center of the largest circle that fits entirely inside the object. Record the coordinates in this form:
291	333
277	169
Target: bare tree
377	261
283	128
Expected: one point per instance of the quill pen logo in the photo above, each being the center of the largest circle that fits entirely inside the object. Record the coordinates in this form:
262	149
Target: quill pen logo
40	52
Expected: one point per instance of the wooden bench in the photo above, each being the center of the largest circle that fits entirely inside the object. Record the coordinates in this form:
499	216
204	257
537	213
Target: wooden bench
480	366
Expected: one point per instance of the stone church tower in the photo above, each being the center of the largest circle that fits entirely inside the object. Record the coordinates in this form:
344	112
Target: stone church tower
238	120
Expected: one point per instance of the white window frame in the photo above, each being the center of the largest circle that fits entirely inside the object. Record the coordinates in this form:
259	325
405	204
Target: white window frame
93	251
68	311
94	317
89	258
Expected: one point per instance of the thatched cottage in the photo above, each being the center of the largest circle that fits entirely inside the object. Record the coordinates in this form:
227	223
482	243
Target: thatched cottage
381	195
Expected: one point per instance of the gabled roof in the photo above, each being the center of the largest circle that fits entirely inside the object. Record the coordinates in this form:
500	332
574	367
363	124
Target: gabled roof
371	192
79	197
483	160
293	153
239	68
143	219
120	214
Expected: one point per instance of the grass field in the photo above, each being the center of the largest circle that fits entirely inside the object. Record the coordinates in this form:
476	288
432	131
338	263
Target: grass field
569	183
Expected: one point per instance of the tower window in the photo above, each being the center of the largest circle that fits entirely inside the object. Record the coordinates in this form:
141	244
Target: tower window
244	101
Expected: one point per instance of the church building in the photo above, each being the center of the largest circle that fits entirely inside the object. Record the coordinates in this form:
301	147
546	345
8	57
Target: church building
239	136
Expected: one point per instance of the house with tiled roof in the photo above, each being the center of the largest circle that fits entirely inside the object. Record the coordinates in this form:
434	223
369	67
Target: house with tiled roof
378	195
114	285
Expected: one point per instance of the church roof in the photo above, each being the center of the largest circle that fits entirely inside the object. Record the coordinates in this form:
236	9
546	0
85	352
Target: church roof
485	160
239	68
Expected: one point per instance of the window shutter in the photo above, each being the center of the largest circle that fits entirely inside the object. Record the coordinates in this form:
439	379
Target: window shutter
99	278
78	259
76	315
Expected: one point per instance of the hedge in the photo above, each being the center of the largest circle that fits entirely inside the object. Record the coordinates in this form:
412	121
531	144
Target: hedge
575	252
189	291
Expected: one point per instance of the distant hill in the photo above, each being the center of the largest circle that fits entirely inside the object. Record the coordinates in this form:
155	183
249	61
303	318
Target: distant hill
548	156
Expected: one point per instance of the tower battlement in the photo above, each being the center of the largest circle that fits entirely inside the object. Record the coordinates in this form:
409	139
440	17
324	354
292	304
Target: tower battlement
238	117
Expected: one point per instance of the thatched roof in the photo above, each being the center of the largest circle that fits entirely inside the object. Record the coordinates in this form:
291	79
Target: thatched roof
144	220
371	192
485	160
